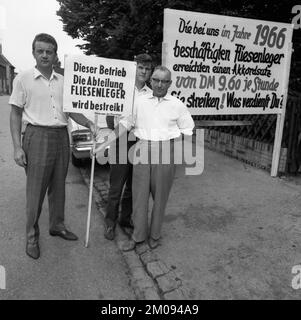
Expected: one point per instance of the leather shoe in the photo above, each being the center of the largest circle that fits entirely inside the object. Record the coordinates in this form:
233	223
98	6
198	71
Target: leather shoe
128	246
127	229
109	233
153	244
33	250
65	234
126	224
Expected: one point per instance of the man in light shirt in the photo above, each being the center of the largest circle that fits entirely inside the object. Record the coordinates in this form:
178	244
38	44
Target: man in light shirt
158	121
121	171
37	101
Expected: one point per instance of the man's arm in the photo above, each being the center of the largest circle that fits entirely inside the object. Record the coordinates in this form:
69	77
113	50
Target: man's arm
15	129
82	120
126	123
119	130
185	121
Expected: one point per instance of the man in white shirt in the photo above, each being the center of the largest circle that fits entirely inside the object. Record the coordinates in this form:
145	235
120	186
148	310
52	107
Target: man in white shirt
121	173
158	121
37	101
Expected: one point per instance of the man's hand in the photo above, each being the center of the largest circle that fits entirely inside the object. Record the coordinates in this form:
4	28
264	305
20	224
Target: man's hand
84	121
99	149
20	157
103	135
94	129
102	141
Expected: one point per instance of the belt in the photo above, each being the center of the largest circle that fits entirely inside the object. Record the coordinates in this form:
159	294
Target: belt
171	140
47	127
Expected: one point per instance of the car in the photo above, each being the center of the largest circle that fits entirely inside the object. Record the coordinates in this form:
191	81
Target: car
81	140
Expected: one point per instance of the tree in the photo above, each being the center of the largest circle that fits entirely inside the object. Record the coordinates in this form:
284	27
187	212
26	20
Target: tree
121	29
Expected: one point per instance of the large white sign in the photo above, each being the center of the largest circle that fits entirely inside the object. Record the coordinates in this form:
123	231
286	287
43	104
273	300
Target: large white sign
227	65
98	85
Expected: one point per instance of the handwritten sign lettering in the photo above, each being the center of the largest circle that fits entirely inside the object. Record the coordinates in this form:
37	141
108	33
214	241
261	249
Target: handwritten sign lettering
98	85
226	65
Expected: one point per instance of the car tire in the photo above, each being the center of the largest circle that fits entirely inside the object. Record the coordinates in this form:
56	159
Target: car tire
75	161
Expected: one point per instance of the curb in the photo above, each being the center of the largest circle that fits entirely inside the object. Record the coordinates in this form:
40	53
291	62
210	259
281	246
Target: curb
151	278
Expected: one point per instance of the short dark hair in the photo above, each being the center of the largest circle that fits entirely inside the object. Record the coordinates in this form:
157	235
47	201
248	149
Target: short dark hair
143	58
44	37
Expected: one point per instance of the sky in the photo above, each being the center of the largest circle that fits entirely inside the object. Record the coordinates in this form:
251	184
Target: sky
21	20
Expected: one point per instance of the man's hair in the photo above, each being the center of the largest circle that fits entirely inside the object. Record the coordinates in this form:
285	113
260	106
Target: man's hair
162	68
143	58
44	37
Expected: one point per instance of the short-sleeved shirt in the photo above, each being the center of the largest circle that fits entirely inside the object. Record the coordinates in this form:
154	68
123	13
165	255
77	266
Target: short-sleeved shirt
159	119
41	99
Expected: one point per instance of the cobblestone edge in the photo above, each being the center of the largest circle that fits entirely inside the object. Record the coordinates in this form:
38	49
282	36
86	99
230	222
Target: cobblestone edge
151	278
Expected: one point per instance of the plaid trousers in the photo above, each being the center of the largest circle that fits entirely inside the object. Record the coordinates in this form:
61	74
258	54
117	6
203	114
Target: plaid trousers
47	151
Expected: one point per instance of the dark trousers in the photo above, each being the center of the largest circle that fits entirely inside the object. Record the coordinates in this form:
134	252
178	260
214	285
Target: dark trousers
120	190
47	152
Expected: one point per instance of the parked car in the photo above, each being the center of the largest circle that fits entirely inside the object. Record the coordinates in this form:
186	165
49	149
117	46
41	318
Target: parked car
81	140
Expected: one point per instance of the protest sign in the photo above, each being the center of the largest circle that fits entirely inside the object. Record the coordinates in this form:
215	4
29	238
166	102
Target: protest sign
98	85
227	65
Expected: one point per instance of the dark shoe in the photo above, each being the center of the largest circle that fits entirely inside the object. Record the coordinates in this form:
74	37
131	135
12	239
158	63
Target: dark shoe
33	250
153	244
127	228
128	224
65	234
128	245
109	233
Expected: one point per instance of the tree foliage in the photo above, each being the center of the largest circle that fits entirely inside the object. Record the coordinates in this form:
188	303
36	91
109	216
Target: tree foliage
123	28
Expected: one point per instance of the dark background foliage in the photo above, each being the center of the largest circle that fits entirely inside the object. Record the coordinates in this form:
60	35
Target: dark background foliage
121	29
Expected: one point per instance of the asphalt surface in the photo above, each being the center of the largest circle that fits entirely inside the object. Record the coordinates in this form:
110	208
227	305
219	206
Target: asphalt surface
233	232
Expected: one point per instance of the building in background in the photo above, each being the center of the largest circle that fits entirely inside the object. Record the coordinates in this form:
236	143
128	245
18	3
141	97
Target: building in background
7	74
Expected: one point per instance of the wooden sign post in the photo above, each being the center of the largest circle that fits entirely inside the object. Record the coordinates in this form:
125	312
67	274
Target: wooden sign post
280	121
91	186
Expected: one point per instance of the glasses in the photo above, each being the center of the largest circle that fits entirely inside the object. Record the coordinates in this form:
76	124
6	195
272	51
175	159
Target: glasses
157	81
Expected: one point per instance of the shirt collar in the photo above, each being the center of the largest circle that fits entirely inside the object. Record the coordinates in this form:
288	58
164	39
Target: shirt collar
144	88
38	74
167	97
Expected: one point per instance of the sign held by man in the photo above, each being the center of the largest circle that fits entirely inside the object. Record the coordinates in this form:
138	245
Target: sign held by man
98	85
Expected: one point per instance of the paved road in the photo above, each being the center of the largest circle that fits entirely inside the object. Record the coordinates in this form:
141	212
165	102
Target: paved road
66	270
233	232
